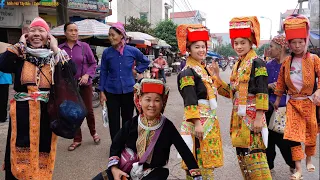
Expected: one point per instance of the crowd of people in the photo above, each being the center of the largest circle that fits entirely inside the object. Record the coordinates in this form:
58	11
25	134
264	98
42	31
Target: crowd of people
259	92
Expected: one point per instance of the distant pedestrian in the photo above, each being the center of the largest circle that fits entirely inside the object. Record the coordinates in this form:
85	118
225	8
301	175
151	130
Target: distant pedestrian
163	63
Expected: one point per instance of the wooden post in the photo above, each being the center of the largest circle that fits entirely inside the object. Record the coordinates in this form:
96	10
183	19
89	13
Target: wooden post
62	12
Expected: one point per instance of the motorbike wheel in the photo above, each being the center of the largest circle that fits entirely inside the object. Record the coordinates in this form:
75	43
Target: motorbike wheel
95	96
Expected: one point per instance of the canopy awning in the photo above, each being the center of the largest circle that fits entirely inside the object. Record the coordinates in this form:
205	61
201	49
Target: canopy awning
87	28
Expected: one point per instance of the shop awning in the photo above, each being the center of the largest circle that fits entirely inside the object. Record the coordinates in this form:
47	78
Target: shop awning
142	36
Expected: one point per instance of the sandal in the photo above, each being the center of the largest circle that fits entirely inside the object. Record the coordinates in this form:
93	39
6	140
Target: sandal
311	168
96	139
296	176
74	146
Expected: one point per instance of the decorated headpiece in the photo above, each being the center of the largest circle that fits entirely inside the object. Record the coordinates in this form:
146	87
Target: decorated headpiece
296	26
245	27
280	40
190	33
150	86
38	21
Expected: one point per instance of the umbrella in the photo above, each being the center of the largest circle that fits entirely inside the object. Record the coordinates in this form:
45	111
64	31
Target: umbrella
87	28
213	54
142	36
163	44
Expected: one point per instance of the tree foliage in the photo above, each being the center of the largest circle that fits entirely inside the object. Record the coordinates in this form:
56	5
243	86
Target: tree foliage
260	50
226	50
166	30
138	25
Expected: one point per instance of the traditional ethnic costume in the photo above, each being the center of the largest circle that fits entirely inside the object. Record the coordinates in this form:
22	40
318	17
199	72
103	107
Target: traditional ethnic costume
31	145
298	78
137	134
198	91
248	90
275	138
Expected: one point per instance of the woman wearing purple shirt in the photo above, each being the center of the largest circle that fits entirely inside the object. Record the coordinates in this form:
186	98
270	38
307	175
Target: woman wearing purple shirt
82	56
278	51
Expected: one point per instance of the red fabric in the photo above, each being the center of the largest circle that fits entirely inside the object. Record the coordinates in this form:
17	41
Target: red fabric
152	88
300	33
198	35
240	33
40	22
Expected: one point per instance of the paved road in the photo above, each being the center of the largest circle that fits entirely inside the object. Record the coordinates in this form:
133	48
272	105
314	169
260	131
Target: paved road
89	159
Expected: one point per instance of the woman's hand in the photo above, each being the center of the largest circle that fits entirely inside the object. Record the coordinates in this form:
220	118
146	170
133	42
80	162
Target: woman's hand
103	98
84	79
117	173
198	129
316	98
272	86
213	69
53	44
258	122
24	38
276	103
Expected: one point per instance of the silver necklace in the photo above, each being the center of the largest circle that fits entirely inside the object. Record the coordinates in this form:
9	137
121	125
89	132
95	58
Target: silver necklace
152	128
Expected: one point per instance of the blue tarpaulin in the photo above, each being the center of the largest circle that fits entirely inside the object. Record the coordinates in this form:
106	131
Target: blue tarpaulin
213	54
314	35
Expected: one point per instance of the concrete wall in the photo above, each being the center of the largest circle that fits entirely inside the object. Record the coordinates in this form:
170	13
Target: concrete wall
134	7
314	14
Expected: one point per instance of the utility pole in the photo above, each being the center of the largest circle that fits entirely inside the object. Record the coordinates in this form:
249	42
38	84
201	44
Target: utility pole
300	5
172	10
62	12
150	11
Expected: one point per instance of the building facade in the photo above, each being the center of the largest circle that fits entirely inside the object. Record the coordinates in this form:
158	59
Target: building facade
152	11
15	19
189	17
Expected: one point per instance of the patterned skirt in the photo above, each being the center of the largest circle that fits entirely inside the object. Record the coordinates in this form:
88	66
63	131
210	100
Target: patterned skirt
250	146
208	151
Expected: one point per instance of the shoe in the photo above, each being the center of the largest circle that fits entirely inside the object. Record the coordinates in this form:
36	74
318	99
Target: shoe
311	168
296	176
292	170
272	171
74	146
96	139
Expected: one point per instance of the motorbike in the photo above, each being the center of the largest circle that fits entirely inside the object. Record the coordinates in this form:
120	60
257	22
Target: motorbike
95	89
155	68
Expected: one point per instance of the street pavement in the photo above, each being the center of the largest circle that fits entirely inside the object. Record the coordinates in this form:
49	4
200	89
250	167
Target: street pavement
89	159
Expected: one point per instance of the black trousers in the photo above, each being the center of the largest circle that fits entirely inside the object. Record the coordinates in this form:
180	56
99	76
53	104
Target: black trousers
4	93
283	144
156	174
119	104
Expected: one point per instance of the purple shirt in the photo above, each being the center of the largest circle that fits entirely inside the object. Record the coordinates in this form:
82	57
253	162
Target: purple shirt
86	63
273	69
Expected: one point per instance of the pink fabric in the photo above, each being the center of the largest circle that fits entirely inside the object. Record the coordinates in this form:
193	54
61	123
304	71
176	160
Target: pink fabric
120	27
38	21
300	16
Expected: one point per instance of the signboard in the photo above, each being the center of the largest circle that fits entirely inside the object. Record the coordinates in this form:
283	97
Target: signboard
91	5
10	16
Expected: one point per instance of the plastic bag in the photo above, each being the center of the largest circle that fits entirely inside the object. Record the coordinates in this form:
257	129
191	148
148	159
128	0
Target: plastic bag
105	118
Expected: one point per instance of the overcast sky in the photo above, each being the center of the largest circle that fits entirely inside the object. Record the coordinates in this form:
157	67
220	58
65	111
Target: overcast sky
220	12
